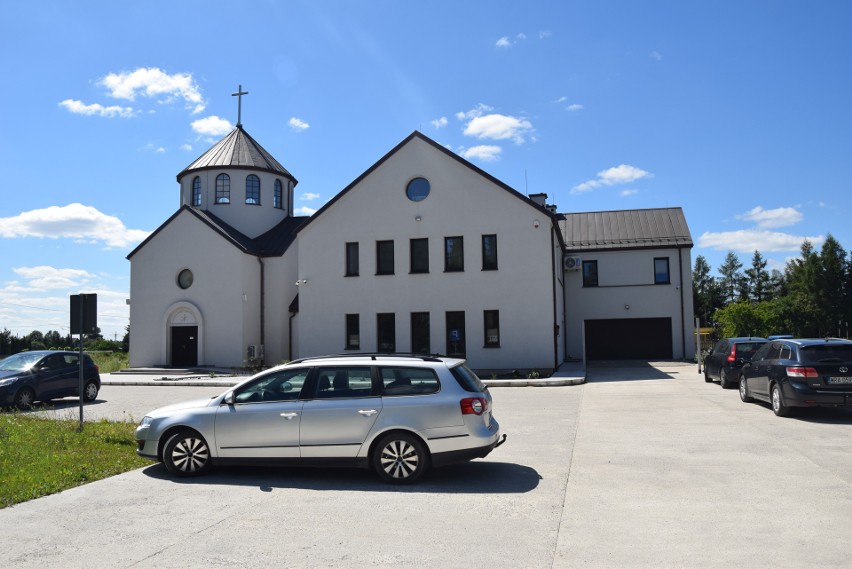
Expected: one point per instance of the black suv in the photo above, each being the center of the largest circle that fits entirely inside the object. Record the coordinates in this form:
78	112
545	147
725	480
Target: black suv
799	373
727	357
44	375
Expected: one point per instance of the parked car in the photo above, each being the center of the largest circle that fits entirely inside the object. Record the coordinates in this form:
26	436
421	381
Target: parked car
43	375
396	414
799	373
727	357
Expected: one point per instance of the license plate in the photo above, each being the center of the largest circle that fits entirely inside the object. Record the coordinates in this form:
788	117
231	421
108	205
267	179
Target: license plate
840	380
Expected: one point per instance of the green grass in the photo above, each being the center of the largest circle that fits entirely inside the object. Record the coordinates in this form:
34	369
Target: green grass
44	456
109	362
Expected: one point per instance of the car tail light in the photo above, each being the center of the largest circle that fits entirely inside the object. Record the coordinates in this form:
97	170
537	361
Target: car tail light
732	357
474	405
801	373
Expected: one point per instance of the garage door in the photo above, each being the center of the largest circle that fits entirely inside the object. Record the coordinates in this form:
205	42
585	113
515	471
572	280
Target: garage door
629	339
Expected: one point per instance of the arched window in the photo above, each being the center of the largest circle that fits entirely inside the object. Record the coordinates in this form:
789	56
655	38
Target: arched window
276	195
196	191
252	190
223	188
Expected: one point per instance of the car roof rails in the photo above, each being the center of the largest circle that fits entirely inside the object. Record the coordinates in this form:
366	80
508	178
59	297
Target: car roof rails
374	356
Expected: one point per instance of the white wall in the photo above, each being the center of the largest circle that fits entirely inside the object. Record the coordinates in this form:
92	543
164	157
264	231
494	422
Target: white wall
626	278
461	203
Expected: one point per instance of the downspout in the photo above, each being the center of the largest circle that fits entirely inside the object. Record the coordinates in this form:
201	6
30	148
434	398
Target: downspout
262	305
553	292
682	292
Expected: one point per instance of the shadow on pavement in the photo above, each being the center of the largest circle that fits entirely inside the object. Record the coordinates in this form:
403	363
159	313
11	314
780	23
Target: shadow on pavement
467	478
631	370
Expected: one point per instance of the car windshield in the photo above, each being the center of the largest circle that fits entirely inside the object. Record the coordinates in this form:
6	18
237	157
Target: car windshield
825	353
19	362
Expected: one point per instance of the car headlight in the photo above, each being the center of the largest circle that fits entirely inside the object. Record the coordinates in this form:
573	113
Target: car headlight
8	381
146	420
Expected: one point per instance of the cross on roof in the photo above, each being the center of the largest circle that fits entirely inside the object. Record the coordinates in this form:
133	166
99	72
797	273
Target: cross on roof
239	95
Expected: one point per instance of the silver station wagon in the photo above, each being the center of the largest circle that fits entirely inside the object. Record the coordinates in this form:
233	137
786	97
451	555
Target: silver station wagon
396	414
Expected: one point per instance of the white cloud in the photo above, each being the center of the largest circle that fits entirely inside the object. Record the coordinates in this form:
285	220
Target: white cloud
574	107
212	126
46	278
750	240
187	147
440	123
298	124
499	127
544	34
656	55
521	36
628	193
309	196
772	218
153	82
622	174
486	153
561	99
304	211
74	221
477	111
80	108
504	42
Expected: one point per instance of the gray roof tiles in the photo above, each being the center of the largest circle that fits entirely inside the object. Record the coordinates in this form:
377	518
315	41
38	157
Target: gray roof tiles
625	229
237	150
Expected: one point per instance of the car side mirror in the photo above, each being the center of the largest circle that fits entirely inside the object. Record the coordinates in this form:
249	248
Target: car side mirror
229	398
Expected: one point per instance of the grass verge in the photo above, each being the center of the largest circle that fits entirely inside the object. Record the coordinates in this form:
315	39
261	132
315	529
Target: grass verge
43	456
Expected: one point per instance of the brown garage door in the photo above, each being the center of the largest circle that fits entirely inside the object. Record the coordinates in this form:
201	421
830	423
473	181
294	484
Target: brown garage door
629	339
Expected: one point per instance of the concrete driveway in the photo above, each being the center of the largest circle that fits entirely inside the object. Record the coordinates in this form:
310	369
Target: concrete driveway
643	466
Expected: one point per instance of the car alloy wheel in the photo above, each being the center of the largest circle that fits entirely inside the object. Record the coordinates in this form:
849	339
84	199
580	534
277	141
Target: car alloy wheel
24	398
186	454
723	379
744	396
400	458
778	402
90	391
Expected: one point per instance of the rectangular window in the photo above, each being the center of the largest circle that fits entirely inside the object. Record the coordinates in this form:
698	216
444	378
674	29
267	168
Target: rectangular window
489	252
492	328
590	273
409	381
348	382
420	255
384	257
353	332
352	259
455	334
386	332
453	254
661	270
420	333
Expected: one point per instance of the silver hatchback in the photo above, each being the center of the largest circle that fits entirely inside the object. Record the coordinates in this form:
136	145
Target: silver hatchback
396	414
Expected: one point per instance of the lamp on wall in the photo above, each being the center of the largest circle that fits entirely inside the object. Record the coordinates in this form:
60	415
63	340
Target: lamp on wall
626	307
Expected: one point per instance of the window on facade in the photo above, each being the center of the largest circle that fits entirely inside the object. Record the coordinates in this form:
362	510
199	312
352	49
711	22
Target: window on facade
590	273
420	333
489	252
420	255
276	195
455	334
353	332
252	190
386	332
453	254
661	270
223	188
196	191
492	328
384	257
352	269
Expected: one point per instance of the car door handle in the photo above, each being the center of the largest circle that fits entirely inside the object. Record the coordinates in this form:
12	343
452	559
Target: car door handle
367	412
289	416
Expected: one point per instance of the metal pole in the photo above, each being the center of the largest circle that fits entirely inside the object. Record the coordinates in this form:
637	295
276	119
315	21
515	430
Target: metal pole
80	363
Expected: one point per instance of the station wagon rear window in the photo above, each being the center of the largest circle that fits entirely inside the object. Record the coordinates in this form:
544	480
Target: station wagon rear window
817	354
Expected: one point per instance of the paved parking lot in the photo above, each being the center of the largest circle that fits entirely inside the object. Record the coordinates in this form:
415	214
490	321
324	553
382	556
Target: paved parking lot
646	466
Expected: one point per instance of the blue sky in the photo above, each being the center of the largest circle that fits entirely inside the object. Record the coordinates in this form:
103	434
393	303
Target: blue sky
738	111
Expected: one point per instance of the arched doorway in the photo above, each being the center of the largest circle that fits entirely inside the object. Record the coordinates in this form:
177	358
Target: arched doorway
184	333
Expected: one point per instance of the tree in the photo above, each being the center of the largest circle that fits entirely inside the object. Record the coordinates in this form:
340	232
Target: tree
732	278
707	295
831	284
757	278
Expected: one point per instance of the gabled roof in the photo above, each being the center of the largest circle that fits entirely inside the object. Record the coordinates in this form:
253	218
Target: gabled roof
449	153
625	229
273	243
237	150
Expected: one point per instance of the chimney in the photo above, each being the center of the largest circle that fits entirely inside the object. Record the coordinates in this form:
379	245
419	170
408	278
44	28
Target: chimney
539	199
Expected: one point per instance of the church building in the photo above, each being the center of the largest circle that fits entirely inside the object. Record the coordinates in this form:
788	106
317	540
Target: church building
424	253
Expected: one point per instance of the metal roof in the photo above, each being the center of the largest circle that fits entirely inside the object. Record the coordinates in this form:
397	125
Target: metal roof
237	150
625	229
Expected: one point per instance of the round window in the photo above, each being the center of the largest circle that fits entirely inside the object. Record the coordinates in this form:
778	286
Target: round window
185	279
417	189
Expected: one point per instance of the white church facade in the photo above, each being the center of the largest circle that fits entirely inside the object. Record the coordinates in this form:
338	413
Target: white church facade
424	252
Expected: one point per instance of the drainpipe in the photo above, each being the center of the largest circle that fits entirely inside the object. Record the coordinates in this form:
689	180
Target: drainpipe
553	266
262	306
682	292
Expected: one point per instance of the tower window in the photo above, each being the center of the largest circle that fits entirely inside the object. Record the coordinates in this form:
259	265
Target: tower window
252	190
223	188
196	191
276	195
